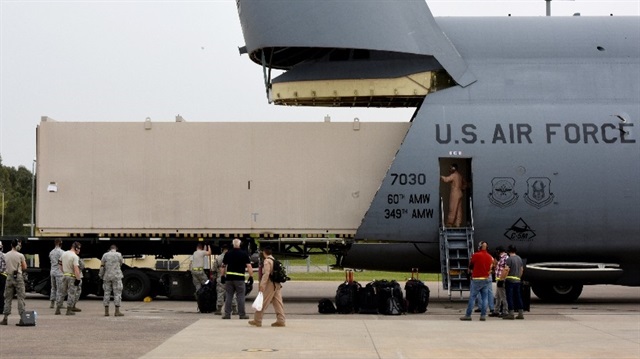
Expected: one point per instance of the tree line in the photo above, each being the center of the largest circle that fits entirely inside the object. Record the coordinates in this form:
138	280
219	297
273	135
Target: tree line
15	210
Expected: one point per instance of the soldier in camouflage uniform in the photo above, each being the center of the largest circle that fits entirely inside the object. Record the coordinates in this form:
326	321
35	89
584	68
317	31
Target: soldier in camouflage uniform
197	266
70	263
79	288
220	290
55	273
111	275
3	277
15	265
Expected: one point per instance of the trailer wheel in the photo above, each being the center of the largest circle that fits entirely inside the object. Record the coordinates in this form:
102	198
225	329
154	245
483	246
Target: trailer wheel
135	285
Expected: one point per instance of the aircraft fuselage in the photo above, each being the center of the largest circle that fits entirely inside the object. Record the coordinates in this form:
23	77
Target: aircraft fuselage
541	115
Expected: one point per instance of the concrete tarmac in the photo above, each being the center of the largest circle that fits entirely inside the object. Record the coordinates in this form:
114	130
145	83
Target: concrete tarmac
603	323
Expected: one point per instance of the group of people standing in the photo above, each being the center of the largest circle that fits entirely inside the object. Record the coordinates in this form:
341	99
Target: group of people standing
507	268
66	278
229	270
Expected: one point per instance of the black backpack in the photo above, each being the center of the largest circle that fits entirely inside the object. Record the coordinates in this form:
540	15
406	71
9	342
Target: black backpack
325	306
390	298
279	272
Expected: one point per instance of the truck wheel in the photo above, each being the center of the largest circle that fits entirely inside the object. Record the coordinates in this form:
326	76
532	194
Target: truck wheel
135	285
557	293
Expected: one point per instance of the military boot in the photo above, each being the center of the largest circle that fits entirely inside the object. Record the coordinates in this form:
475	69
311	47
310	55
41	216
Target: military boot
53	302
76	309
509	316
106	311
57	310
70	311
520	315
218	310
117	313
4	320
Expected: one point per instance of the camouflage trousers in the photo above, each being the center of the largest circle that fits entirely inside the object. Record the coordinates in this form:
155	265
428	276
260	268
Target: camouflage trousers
78	292
14	287
108	286
199	277
55	283
68	289
3	281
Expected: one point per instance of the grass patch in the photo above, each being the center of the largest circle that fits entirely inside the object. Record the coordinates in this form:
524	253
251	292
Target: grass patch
318	264
362	277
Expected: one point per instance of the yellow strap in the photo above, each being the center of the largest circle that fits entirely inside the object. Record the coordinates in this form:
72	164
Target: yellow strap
513	277
480	278
70	274
238	274
4	274
199	268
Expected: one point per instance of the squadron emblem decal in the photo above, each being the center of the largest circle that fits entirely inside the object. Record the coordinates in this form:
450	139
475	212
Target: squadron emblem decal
520	231
503	192
538	192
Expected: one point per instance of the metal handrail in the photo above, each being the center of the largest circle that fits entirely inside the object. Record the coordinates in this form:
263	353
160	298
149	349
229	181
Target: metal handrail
471	212
442	223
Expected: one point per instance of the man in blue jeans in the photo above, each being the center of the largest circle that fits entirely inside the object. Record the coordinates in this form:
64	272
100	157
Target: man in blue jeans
481	264
514	269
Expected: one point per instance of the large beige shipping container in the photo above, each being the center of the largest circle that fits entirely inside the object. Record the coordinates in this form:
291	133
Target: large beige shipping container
209	179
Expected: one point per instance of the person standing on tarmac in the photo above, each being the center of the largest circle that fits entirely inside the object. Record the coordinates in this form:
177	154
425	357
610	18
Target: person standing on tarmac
501	306
197	266
111	275
3	277
16	264
70	263
55	273
79	286
481	264
271	291
220	290
513	272
236	260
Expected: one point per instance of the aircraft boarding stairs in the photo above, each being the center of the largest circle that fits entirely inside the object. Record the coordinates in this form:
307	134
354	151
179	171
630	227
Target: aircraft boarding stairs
456	249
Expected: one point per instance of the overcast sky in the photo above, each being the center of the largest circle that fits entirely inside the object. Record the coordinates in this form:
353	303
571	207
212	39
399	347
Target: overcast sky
128	60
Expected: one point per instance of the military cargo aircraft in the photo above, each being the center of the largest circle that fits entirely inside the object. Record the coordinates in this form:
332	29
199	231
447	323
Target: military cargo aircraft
540	114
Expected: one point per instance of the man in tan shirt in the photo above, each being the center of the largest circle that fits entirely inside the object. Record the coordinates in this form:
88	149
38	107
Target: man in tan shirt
458	185
15	266
271	291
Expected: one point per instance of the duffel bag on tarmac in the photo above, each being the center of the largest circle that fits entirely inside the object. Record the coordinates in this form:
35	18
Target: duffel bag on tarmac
417	294
347	298
367	300
207	297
